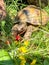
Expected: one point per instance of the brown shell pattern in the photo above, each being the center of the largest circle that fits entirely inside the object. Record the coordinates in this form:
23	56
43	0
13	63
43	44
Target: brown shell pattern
33	15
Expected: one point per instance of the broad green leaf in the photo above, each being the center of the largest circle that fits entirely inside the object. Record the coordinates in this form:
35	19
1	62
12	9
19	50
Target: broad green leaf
46	62
5	58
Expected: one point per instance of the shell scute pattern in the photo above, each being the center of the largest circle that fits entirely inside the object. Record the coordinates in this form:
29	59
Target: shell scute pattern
32	14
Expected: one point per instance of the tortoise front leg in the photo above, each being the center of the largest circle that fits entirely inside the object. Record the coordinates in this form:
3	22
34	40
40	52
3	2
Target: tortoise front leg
29	31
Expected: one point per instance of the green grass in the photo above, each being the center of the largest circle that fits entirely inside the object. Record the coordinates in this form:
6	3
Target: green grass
39	39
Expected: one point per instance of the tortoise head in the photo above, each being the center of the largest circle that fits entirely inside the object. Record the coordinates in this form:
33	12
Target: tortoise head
18	29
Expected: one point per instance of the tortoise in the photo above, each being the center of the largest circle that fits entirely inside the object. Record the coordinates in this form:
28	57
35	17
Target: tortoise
2	13
28	20
2	10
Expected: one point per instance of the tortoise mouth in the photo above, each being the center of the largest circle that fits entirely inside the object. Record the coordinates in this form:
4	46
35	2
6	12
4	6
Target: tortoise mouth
14	33
22	32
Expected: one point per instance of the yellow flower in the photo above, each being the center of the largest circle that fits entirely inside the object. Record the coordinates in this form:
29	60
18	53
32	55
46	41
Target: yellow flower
26	43
23	49
23	61
21	57
33	62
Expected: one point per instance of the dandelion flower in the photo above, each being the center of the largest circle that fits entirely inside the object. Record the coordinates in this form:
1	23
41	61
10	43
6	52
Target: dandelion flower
21	57
26	43
33	62
23	60
23	49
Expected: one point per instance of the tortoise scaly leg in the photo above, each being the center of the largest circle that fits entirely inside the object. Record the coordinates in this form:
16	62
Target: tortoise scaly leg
29	31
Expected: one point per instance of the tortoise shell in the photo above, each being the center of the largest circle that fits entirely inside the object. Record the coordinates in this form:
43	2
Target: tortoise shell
2	10
33	15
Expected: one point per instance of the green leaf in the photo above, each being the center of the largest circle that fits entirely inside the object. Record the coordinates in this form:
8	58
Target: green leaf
27	64
5	58
46	62
3	23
